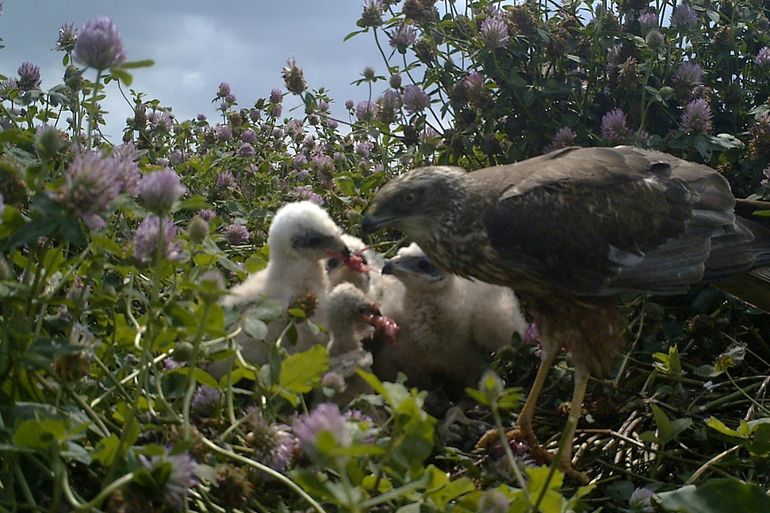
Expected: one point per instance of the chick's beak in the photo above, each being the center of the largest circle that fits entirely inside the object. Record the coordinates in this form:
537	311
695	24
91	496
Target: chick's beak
388	268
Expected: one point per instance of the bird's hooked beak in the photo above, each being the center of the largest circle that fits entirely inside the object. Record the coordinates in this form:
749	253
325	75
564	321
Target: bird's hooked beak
406	266
370	312
373	220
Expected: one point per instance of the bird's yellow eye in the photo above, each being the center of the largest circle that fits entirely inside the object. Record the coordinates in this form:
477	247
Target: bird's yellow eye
409	198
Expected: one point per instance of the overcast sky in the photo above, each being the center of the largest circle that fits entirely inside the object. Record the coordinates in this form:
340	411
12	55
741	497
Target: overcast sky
196	45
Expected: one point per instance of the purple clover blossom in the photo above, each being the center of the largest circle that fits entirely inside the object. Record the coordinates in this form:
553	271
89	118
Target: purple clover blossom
207	214
224	90
648	21
159	190
90	187
349	104
372	13
176	156
308	141
237	234
403	37
689	74
614	127
277	133
333	380
474	84
224	133
147	236
205	401
126	167
293	77
494	33
276	95
181	476
323	162
274	444
99	45
366	110
295	129
640	500
684	17
29	77
276	109
564	137
249	136
68	36
763	56
388	104
364	148
325	418
225	180
7	86
302	175
306	193
299	160
160	120
255	115
415	99
246	150
696	118
170	364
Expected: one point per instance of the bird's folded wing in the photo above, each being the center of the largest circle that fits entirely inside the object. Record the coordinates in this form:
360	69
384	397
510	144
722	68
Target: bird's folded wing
599	221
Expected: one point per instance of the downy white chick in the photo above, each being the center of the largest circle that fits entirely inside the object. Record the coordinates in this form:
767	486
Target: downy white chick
449	325
300	237
351	317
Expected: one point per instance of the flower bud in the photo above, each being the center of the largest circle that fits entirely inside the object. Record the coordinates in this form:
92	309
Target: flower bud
198	230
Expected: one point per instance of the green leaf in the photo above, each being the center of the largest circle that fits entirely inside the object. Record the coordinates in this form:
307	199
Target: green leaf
254	327
759	446
537	481
146	63
346	185
40	434
106	451
716	496
200	375
667	429
122	75
302	372
715	423
194	203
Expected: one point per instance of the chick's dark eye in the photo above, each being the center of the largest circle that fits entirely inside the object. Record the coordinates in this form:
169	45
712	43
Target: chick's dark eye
423	265
333	263
314	241
409	198
362	309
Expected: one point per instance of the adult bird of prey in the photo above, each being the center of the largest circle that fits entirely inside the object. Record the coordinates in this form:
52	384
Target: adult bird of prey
570	230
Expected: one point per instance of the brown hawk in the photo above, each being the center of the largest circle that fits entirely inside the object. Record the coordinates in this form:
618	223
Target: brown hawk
570	230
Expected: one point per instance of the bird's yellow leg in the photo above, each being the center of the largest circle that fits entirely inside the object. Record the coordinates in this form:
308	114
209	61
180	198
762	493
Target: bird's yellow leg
524	422
575	410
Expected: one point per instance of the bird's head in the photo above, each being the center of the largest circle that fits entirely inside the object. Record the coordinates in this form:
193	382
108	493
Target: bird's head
415	270
304	230
348	306
353	268
416	202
